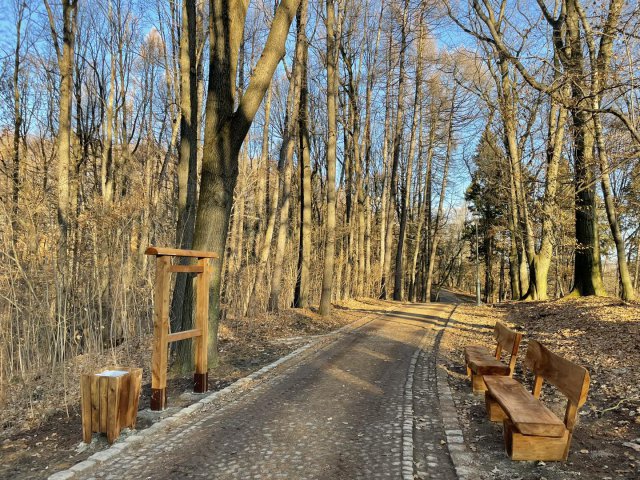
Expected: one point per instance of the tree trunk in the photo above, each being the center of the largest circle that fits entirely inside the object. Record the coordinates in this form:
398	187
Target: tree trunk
397	143
286	157
17	120
66	67
435	240
225	129
398	286
332	86
187	174
301	294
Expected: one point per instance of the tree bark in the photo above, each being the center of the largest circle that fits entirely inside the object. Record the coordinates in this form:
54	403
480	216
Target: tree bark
332	86
398	286
301	294
435	240
187	172
225	129
397	143
286	158
66	67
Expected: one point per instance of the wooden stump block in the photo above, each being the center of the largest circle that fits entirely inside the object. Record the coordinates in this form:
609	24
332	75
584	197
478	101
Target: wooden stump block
109	401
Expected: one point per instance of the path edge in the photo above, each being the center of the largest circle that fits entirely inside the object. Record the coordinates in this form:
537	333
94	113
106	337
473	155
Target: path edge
461	456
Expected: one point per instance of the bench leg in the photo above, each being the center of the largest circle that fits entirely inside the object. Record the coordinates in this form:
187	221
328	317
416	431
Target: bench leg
494	410
477	382
534	448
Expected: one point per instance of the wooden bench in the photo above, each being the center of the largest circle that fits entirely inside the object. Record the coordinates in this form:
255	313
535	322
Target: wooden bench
481	362
531	430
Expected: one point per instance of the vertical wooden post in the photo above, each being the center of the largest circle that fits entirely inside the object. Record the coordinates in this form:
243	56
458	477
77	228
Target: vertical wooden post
200	377
113	407
85	392
160	333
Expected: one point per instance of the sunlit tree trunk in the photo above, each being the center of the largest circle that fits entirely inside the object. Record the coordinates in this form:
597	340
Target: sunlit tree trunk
286	158
332	86
301	294
397	141
66	67
226	128
398	286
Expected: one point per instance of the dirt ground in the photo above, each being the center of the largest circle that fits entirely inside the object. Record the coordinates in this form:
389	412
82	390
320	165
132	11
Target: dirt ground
601	334
40	422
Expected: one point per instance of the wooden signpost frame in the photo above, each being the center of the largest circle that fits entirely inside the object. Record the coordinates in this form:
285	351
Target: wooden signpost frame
161	335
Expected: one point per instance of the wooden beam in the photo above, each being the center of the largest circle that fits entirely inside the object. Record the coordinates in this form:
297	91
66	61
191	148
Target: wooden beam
176	252
160	333
186	269
174	337
201	322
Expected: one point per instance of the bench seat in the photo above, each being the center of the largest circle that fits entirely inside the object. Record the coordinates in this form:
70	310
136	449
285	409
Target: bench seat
482	362
527	414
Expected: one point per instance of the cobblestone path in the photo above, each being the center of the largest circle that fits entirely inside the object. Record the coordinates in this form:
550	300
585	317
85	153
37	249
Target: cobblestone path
364	406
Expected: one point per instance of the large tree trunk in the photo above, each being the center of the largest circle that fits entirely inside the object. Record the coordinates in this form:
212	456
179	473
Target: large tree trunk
65	66
301	294
286	157
540	263
398	287
332	87
187	173
435	239
397	143
587	267
225	130
599	74
383	261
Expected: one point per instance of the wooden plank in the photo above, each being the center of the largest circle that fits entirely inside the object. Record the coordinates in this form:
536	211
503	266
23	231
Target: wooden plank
103	382
481	362
174	337
176	252
95	403
570	378
135	383
528	414
85	405
124	398
160	329
508	339
113	408
186	269
504	335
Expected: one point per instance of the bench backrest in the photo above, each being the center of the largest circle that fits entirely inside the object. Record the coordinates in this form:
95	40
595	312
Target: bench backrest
508	341
568	377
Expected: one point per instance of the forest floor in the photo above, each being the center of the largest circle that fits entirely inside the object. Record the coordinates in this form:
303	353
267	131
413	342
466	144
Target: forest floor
601	334
40	422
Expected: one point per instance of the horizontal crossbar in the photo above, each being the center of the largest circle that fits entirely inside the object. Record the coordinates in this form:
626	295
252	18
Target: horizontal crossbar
174	337
186	268
175	252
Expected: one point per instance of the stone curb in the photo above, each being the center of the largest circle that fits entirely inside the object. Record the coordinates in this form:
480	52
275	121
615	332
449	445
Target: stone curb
119	447
408	418
461	457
